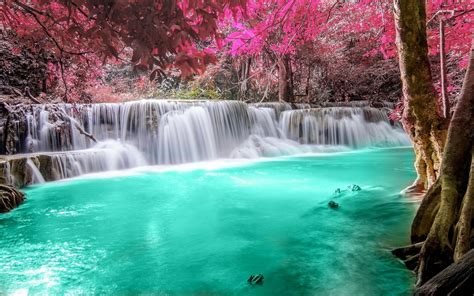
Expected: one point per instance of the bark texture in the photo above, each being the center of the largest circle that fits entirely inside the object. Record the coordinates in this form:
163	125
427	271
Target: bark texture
285	85
443	74
424	124
449	233
457	279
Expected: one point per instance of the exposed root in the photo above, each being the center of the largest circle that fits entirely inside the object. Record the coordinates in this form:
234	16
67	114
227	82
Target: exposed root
435	255
409	254
412	262
408	251
35	100
457	279
426	213
452	223
463	227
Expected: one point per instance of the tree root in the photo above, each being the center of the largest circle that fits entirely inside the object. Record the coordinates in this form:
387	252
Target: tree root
408	251
426	213
463	227
409	255
457	279
412	262
27	90
452	223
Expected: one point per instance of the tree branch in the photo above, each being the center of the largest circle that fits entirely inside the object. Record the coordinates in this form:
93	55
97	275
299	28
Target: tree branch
83	132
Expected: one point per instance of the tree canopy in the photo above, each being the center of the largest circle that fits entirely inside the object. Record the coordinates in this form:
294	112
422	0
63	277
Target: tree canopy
295	39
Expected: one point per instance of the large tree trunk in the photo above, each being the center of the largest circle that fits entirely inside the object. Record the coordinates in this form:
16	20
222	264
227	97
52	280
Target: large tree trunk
444	238
445	215
421	118
285	87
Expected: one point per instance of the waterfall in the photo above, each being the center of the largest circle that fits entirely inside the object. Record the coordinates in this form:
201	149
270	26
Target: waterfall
150	132
36	176
352	127
105	156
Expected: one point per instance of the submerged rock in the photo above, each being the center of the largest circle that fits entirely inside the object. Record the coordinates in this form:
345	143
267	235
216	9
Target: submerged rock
256	279
333	205
10	198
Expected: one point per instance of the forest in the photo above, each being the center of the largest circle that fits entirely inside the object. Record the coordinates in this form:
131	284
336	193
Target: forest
206	134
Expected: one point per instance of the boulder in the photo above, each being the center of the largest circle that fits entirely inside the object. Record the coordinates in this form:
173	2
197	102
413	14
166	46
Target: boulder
256	279
10	198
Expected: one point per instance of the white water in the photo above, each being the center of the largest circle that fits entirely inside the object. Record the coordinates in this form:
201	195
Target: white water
170	132
35	173
352	127
105	156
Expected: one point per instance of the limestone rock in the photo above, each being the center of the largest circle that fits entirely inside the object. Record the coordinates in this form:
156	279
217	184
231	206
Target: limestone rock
10	198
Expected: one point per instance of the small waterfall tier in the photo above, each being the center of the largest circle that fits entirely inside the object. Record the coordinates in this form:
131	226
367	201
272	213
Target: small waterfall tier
86	138
348	126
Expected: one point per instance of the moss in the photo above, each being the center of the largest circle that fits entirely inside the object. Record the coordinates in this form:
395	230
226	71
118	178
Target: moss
189	93
196	94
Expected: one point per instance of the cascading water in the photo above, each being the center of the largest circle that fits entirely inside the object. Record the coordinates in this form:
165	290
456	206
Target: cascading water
105	156
352	127
35	173
172	132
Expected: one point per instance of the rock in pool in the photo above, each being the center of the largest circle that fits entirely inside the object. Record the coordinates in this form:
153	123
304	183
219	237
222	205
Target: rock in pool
10	198
356	188
255	279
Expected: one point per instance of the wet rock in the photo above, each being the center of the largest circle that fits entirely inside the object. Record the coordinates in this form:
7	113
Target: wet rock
256	279
356	188
10	198
333	205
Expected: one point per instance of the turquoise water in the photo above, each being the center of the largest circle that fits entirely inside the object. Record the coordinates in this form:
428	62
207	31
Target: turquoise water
204	231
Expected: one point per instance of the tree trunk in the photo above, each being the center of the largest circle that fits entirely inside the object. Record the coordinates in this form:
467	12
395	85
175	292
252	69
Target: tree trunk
421	118
285	89
244	78
444	79
449	236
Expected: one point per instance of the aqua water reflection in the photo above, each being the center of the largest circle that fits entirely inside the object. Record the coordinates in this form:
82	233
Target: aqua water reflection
201	231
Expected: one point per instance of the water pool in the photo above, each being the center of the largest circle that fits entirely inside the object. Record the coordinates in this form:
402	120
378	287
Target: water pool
204	231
